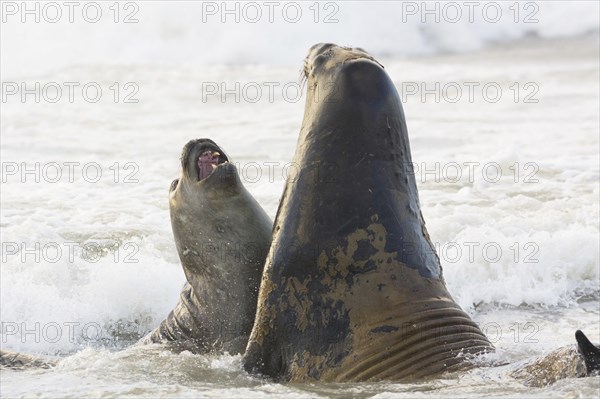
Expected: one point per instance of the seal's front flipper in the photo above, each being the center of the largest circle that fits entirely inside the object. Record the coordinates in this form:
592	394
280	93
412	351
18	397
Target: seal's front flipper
591	353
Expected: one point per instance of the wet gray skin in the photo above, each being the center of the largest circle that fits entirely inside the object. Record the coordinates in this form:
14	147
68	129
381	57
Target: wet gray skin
222	237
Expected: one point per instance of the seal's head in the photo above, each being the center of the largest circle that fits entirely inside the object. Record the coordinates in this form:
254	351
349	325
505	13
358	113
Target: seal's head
199	200
203	165
351	104
326	56
340	77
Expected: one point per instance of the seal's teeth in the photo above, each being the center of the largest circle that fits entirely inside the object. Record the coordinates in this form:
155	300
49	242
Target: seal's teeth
216	154
213	166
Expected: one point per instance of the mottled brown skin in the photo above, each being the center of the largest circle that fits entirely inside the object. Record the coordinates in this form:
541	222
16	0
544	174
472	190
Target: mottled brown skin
222	237
565	362
572	361
352	288
20	361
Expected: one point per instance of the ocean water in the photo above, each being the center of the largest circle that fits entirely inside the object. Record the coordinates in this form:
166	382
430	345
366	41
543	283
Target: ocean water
503	121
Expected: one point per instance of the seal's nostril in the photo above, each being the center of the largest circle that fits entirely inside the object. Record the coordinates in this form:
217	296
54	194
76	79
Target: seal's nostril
321	48
174	184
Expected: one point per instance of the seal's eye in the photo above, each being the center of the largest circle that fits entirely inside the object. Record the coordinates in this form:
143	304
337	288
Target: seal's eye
174	184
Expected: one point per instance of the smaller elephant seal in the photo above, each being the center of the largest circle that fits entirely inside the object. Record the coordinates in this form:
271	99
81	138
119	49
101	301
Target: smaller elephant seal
222	237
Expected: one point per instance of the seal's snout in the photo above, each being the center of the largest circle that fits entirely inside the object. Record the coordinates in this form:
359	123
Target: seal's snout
319	54
320	48
330	54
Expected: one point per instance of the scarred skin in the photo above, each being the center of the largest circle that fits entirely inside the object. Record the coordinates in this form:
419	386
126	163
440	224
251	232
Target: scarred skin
222	237
352	288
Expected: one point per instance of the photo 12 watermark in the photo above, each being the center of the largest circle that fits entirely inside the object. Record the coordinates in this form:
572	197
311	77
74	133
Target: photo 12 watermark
251	92
252	12
470	11
454	252
270	92
93	332
470	171
329	172
69	172
517	332
454	92
53	12
69	92
69	252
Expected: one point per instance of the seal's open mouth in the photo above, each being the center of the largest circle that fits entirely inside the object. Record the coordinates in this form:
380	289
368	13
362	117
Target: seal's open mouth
208	162
199	159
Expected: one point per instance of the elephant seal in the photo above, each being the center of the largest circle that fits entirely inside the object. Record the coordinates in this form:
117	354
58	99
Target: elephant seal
20	361
573	361
222	236
352	288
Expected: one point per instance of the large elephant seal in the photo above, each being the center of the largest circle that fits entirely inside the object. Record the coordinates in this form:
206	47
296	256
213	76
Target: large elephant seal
352	288
222	237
